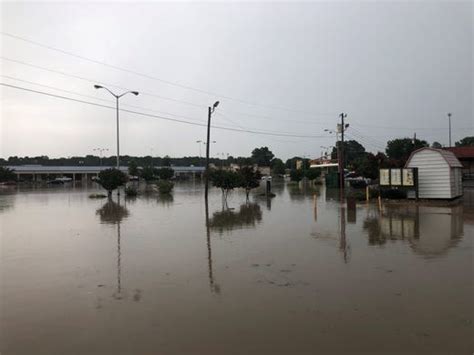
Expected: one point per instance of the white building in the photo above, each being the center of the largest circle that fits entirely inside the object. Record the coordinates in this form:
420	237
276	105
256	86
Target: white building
439	173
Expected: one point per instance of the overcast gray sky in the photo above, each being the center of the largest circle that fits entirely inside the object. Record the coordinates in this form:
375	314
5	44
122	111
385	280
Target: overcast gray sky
396	68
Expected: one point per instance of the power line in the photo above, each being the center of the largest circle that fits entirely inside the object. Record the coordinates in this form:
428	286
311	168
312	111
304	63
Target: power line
162	117
96	98
130	71
366	143
99	82
367	137
233	123
148	93
405	128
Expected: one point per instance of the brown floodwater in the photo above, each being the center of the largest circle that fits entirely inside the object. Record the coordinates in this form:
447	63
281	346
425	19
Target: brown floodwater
296	274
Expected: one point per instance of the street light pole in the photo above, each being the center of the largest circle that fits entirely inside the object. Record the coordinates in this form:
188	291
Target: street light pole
449	118
209	114
117	97
118	132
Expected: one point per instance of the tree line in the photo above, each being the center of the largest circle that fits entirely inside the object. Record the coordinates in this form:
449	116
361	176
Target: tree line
356	158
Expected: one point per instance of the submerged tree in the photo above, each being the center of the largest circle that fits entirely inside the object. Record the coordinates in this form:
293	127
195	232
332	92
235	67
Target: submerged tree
277	166
149	173
296	175
249	179
225	180
111	179
312	173
165	173
133	168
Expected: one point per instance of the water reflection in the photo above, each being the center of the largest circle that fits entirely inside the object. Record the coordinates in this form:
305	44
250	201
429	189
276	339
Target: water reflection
215	288
430	231
162	199
249	215
337	238
302	190
7	203
112	212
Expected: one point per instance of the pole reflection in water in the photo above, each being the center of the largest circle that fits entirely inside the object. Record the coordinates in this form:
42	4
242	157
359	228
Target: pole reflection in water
215	288
118	294
315	207
342	229
351	210
113	213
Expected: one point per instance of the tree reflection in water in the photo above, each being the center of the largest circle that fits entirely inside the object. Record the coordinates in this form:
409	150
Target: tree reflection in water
163	199
248	216
112	212
303	190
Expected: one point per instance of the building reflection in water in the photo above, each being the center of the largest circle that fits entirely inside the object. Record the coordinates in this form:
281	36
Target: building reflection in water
430	231
113	213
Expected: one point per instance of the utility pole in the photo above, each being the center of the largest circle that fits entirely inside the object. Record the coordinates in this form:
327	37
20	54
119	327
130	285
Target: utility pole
449	118
209	114
341	154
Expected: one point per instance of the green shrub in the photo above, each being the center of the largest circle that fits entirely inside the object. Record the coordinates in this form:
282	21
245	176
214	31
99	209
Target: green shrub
149	173
312	173
131	191
165	186
165	173
97	196
110	179
296	175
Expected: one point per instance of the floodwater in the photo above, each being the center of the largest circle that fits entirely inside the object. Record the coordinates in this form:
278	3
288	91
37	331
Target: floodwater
296	274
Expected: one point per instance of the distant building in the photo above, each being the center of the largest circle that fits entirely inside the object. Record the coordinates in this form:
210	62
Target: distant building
439	173
264	170
466	156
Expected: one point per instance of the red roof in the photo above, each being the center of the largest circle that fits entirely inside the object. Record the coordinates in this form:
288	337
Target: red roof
462	152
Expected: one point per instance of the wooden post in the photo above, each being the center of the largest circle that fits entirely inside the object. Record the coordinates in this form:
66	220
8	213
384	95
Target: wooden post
367	194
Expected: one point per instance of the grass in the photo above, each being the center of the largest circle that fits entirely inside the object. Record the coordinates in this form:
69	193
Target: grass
97	196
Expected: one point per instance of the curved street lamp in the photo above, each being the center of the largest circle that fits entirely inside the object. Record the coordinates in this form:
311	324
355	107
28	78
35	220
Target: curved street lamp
117	97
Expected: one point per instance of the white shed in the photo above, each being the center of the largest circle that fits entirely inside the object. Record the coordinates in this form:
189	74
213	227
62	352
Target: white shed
439	173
